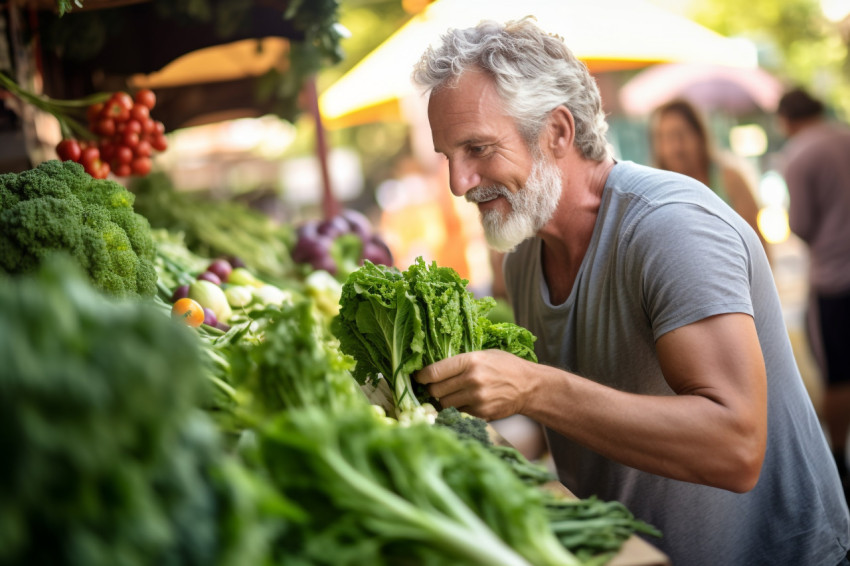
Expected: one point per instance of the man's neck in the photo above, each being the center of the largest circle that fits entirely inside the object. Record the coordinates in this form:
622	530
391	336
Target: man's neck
797	126
567	236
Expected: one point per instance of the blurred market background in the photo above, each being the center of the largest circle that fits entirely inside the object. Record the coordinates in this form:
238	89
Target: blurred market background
298	110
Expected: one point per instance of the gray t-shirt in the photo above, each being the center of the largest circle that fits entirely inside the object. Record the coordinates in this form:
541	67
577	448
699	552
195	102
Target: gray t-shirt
667	252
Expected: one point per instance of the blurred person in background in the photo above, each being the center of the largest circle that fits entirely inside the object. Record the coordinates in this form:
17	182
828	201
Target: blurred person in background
681	142
666	378
816	167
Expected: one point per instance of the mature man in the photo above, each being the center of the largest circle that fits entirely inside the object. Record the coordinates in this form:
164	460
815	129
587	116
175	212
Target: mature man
817	171
668	381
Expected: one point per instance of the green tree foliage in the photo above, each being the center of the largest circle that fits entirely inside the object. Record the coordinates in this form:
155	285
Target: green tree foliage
796	42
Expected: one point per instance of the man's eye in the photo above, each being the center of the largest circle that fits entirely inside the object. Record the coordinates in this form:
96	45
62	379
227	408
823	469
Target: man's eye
478	149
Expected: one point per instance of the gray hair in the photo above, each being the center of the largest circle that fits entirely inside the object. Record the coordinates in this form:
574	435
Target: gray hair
534	73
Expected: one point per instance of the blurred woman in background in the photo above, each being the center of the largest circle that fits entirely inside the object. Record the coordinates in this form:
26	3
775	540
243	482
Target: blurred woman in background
681	142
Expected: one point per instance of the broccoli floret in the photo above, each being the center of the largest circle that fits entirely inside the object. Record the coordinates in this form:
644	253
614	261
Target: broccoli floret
464	425
58	206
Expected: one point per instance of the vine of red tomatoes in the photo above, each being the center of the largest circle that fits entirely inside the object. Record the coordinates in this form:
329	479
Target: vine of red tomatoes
125	136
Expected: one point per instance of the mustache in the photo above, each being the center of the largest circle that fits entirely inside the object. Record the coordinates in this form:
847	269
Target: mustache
481	194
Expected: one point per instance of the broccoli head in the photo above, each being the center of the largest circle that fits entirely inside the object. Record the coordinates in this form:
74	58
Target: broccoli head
464	425
58	206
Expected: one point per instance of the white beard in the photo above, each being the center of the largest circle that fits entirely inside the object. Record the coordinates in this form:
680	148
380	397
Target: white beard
532	206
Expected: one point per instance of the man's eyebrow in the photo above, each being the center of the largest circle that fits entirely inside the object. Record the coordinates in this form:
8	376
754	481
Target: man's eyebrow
466	142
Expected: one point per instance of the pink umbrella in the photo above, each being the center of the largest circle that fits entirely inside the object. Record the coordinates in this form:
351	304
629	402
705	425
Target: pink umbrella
734	90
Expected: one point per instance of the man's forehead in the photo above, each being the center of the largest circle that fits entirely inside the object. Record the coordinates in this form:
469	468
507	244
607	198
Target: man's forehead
474	95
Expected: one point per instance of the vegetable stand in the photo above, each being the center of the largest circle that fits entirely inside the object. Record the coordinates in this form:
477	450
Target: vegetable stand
288	458
634	552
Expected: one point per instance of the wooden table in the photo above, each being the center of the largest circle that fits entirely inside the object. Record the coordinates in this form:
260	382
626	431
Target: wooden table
638	552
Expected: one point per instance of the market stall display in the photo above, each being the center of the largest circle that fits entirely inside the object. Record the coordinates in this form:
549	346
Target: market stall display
312	471
189	382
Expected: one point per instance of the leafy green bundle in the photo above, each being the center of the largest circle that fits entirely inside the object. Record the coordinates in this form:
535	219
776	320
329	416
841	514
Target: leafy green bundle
384	494
394	323
58	206
296	365
107	461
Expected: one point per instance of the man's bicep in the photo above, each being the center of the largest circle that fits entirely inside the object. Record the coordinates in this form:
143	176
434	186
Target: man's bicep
719	358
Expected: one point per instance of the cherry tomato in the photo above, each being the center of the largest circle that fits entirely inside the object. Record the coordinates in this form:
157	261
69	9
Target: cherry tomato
133	125
149	126
123	154
122	170
130	139
146	97
141	166
115	111
90	158
69	150
102	171
140	112
159	127
123	99
143	149
159	142
188	311
104	127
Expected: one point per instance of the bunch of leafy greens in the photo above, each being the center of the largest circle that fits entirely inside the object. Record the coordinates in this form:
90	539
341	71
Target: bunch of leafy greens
107	459
296	364
394	323
384	494
592	529
58	206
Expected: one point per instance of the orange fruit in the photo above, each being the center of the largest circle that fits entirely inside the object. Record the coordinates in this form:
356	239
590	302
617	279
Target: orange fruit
189	311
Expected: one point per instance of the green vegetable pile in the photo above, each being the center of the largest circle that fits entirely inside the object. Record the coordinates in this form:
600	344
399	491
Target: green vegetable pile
58	206
296	365
216	228
385	494
394	323
107	461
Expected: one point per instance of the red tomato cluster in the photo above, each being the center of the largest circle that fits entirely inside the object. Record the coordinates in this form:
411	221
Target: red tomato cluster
126	134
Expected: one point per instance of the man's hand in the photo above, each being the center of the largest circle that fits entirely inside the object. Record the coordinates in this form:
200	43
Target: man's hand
490	384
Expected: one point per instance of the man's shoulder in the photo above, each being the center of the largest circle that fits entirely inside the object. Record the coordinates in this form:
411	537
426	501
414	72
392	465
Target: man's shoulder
811	142
630	178
629	173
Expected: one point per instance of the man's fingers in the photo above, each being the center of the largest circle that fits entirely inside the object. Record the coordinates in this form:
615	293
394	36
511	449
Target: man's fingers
456	399
442	370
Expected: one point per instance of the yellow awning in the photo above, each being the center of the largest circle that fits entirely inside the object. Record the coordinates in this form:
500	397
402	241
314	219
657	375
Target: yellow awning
606	34
225	62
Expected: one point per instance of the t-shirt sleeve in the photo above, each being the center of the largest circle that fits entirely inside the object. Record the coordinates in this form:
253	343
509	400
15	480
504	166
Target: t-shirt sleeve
688	264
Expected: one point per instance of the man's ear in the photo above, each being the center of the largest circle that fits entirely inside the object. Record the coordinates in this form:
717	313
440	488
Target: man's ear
560	131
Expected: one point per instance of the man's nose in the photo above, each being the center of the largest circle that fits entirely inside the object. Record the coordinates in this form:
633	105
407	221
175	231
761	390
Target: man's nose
462	177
